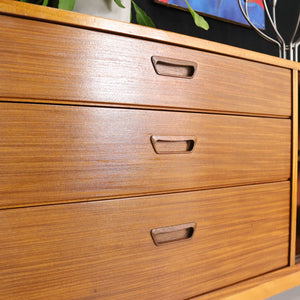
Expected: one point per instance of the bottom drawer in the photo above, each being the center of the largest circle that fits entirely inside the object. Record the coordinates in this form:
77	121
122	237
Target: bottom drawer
104	249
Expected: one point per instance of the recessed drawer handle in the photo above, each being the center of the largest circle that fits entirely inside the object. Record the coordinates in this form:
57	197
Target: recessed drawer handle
174	233
173	67
173	144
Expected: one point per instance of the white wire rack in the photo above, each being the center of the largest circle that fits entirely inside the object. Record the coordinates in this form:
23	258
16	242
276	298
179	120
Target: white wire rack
287	49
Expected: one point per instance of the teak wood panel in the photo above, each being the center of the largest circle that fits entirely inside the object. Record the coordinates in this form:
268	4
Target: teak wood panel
260	287
56	153
104	250
294	164
48	61
298	230
49	14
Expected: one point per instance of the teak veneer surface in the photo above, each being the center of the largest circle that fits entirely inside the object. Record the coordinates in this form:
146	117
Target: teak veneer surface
104	250
52	15
294	178
258	288
54	153
95	67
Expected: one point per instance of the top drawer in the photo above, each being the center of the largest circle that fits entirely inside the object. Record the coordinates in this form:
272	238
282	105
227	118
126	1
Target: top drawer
49	61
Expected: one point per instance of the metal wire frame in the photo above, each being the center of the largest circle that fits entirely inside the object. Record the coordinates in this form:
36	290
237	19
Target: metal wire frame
287	49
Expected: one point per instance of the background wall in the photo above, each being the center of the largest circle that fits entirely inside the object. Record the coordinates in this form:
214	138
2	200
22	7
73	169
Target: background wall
180	21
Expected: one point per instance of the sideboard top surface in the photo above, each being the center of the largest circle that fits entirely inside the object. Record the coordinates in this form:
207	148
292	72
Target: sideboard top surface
54	15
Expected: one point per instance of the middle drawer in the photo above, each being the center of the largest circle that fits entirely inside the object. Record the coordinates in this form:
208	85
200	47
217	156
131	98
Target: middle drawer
55	153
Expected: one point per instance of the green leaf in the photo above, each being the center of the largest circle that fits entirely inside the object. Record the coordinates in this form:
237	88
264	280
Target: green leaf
45	2
141	16
66	4
119	3
199	20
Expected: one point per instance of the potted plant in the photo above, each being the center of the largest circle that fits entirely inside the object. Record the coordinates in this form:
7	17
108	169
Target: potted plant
114	9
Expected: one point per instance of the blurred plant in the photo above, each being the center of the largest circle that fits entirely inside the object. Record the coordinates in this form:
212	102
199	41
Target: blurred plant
141	17
198	20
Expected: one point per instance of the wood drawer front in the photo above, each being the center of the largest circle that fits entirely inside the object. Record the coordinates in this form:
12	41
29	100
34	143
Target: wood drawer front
55	62
54	153
104	250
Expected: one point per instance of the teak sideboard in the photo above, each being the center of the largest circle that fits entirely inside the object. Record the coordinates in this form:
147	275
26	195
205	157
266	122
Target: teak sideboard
137	163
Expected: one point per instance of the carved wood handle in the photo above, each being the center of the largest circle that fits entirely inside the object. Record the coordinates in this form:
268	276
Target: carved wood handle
173	144
174	67
174	233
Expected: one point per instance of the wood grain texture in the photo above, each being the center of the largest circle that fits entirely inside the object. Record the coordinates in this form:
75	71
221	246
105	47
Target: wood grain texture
63	153
104	250
295	135
51	154
259	288
49	14
298	235
47	61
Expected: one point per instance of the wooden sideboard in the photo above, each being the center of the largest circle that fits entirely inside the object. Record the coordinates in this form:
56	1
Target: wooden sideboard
142	164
